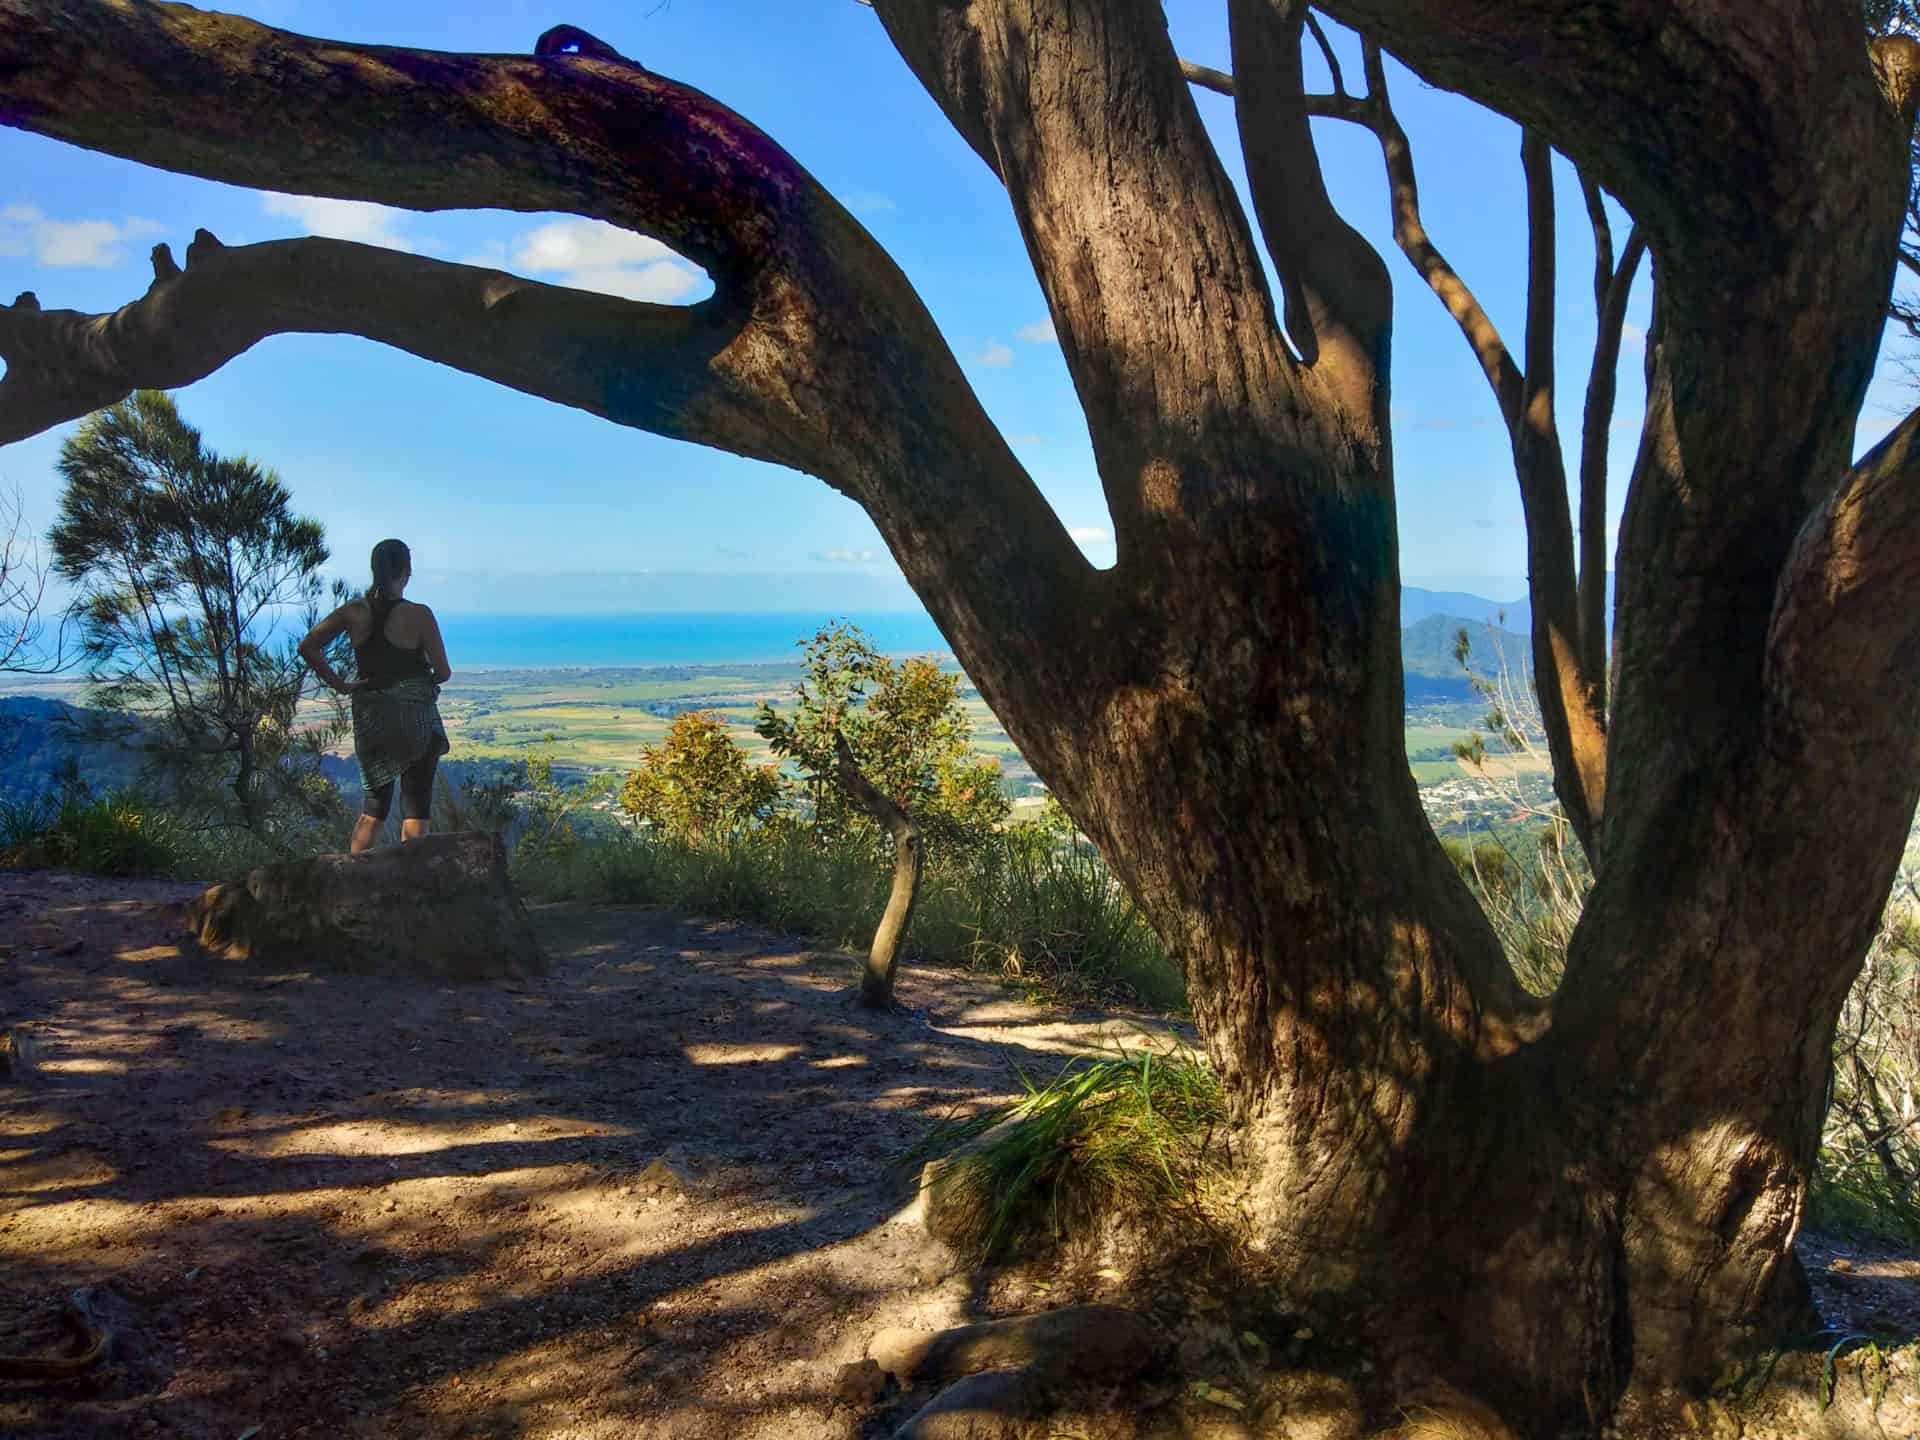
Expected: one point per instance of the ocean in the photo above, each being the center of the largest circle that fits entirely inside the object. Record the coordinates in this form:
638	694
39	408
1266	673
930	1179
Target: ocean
512	642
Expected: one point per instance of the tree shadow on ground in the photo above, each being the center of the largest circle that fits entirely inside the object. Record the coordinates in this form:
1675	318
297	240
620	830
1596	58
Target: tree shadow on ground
339	1205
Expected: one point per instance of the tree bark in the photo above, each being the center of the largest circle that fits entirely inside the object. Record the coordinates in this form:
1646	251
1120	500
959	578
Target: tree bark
1542	1200
876	978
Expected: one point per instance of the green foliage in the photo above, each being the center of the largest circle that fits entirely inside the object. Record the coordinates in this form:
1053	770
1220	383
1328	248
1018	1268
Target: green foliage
489	803
697	787
183	560
1126	1138
550	809
113	835
908	732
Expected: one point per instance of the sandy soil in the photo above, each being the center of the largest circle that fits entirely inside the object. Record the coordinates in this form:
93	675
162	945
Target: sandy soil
646	1196
330	1206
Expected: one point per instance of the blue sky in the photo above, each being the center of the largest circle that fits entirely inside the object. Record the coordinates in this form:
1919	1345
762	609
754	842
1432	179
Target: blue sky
513	503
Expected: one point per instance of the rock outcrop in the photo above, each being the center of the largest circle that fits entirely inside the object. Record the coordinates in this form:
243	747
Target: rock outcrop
441	906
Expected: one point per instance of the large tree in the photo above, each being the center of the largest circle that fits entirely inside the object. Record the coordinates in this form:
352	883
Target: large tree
182	561
1548	1197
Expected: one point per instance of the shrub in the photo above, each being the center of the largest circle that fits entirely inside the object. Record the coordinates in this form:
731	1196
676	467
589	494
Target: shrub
697	786
909	734
1125	1139
114	835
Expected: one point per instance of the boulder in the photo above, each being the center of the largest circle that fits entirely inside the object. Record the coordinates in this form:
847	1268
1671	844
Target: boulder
441	906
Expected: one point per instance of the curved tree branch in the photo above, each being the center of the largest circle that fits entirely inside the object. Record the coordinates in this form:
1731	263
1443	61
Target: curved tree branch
1410	233
657	367
883	956
1339	301
831	362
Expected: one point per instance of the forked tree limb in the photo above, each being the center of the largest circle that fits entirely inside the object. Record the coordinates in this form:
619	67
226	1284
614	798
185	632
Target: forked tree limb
1114	180
1572	691
1338	298
1610	86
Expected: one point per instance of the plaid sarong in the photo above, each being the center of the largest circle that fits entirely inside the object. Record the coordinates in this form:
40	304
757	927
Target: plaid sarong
395	726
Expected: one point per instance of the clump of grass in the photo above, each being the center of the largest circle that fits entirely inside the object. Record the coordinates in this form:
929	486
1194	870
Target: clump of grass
1127	1138
112	835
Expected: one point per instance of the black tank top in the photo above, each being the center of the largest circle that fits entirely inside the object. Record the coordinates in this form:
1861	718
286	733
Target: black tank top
383	663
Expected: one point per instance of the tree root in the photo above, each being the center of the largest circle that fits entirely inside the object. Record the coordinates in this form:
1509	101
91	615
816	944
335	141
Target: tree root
1103	1342
95	1336
1008	1369
994	1402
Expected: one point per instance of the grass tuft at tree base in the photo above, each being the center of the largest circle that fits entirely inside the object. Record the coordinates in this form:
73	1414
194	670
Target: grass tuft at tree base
1127	1139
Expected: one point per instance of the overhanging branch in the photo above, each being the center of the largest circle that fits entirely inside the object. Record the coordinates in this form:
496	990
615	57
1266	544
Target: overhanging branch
831	362
657	367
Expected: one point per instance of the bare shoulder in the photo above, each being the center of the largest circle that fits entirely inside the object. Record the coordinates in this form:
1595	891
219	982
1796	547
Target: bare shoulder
412	622
354	616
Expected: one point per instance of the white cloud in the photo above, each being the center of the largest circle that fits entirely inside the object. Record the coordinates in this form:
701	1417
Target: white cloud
585	245
1634	337
996	355
851	557
869	202
359	220
593	255
1041	332
1091	535
92	244
1026	439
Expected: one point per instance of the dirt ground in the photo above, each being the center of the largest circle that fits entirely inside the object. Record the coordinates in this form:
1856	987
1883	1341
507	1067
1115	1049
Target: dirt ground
646	1196
322	1205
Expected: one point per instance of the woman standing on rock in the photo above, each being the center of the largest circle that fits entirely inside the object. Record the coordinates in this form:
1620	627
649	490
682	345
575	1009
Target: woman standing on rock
397	734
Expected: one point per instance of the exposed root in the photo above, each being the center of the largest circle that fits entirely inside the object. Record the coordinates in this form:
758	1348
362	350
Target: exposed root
96	1341
1103	1342
992	1403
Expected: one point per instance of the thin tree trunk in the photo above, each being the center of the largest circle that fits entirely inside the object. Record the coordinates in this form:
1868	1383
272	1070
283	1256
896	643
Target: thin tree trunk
876	980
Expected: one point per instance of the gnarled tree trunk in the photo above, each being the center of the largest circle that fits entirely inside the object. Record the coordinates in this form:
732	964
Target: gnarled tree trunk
1544	1198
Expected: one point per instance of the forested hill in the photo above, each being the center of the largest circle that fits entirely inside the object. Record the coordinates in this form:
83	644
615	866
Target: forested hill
1427	655
37	736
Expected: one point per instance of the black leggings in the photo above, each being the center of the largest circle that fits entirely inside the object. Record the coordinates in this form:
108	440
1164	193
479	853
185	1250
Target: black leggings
416	792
